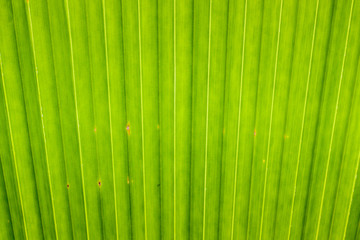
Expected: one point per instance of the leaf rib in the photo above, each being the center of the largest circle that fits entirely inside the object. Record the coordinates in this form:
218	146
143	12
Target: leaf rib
42	115
207	117
127	144
13	148
62	139
142	118
342	160
77	114
255	119
110	121
271	115
303	118
352	189
239	120
351	197
174	119
334	122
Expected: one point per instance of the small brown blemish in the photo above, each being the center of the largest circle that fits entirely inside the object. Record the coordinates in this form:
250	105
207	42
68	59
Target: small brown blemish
128	180
99	183
255	132
67	186
286	136
128	128
158	126
95	129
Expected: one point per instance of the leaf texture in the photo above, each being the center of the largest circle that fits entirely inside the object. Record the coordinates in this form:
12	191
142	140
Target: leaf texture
192	119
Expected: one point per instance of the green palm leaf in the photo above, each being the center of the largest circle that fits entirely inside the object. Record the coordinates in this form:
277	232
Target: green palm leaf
192	119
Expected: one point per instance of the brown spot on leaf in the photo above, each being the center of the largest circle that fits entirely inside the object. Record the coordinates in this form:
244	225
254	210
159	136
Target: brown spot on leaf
128	180
128	128
99	183
67	186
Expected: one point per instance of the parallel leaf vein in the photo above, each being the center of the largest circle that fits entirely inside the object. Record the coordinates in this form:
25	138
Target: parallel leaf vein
334	122
343	156
110	120
271	115
13	148
42	115
77	114
174	119
303	118
142	119
239	120
351	197
207	117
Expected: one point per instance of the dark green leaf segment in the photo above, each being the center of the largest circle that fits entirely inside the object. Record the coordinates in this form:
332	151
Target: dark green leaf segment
180	119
